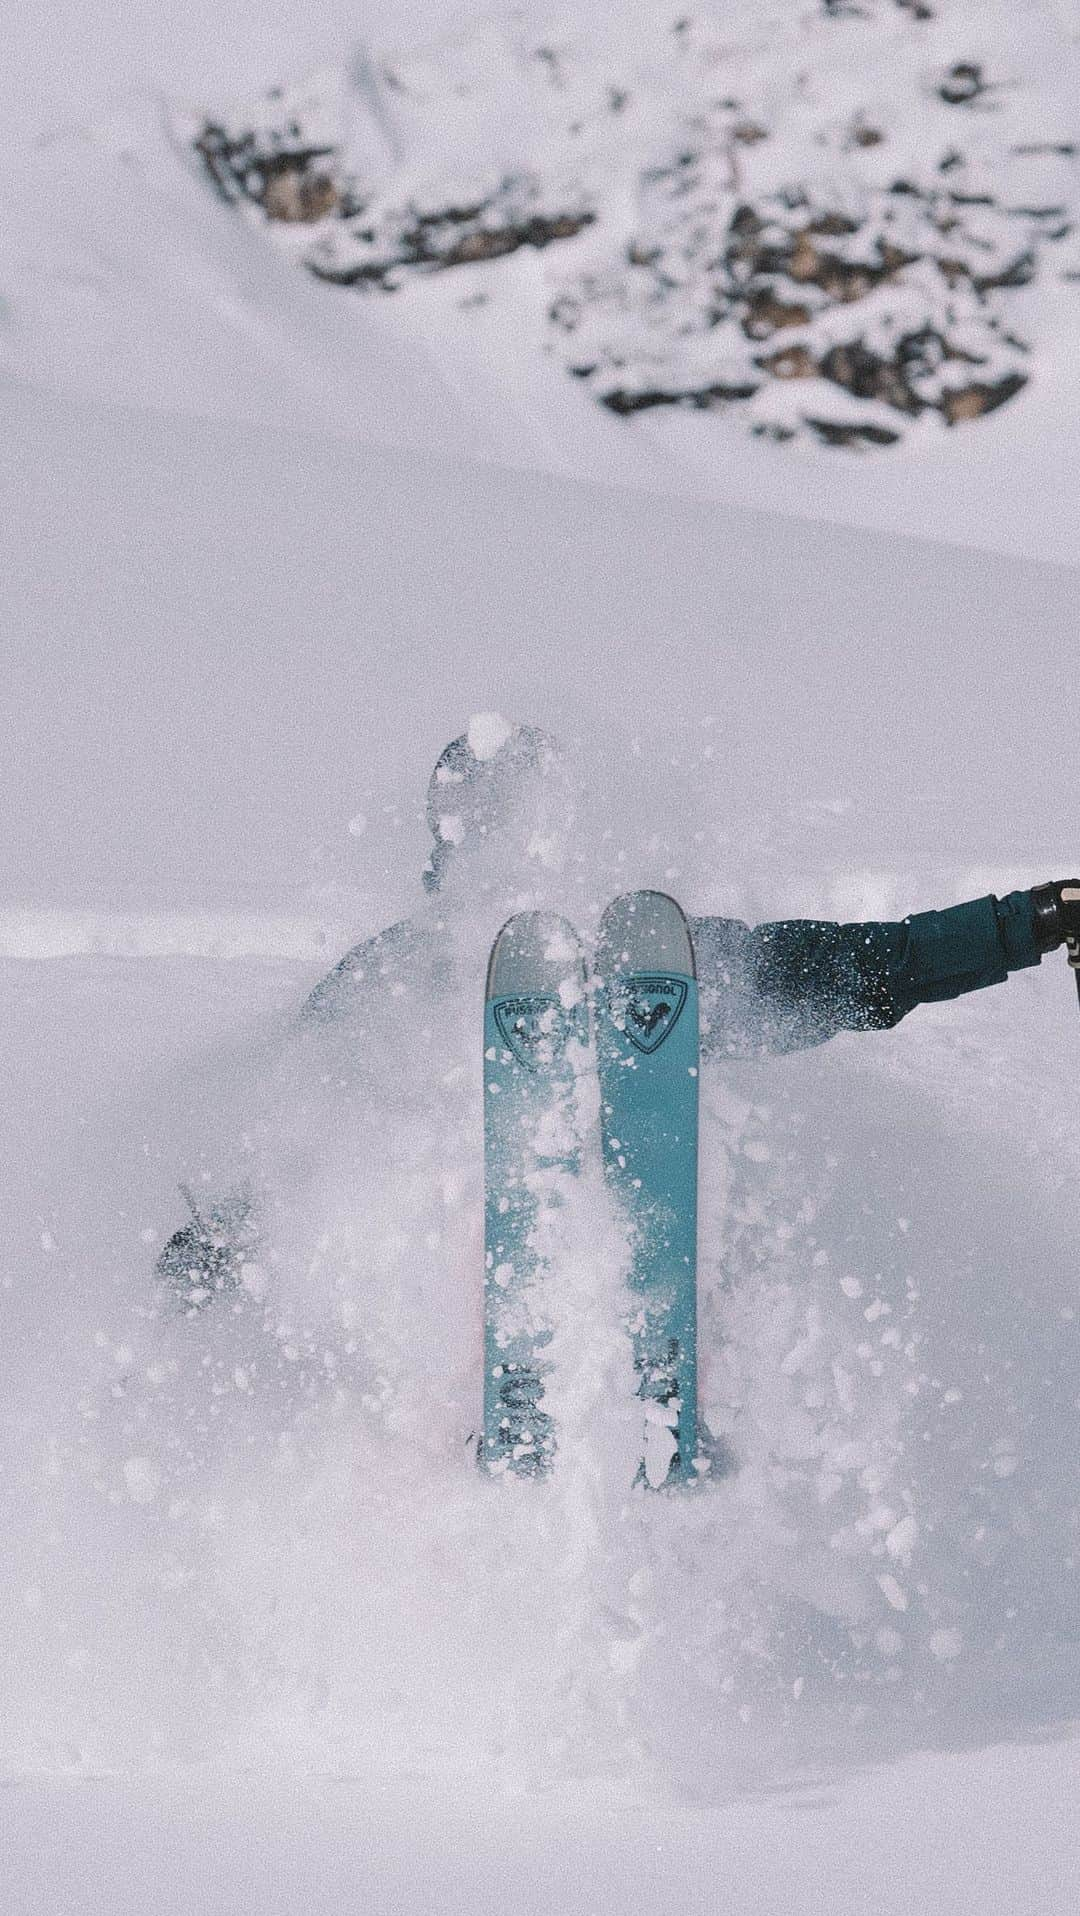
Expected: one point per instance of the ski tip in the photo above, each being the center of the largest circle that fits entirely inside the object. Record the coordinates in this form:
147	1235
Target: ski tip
645	931
536	951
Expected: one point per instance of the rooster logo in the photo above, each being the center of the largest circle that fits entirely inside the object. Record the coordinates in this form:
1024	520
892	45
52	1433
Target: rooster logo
647	1008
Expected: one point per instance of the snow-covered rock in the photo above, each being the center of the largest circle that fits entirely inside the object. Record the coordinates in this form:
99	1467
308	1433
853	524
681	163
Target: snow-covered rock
821	216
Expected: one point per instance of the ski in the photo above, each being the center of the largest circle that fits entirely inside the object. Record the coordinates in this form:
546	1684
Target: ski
535	1037
647	1048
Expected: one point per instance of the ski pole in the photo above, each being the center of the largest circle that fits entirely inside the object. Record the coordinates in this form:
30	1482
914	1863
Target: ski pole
185	1189
1072	946
1070	894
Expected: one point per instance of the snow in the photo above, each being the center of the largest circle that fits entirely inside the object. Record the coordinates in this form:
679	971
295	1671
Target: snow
146	699
486	732
266	547
142	1478
950	1831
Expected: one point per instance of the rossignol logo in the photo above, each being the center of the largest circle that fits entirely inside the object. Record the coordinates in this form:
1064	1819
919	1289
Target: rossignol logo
534	1029
647	1008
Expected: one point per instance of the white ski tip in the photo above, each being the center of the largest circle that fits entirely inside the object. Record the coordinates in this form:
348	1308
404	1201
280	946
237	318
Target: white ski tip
645	931
537	952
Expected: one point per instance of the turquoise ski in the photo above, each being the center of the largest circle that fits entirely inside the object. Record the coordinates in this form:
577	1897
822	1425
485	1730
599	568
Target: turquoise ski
647	1047
535	1037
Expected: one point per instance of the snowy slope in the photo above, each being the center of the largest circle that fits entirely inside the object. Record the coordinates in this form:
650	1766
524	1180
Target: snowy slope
266	545
208	719
216	631
947	1833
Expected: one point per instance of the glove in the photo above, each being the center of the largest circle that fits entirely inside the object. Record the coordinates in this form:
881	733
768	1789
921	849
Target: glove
1057	913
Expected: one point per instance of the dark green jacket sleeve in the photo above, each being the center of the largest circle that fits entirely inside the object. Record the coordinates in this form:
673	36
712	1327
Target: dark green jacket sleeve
784	986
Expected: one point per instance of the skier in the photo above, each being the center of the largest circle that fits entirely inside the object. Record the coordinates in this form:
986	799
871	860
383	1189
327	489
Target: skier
776	987
499	803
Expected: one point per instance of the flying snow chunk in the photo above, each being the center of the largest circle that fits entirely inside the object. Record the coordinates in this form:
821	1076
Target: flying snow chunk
487	734
559	949
254	1281
892	1593
661	1443
143	1480
902	1539
946	1644
547	851
1004	1457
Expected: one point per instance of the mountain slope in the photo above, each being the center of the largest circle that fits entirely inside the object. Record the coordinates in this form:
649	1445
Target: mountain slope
122	277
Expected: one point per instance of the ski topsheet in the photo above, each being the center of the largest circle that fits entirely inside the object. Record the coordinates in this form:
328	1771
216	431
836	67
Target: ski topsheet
647	1047
535	1035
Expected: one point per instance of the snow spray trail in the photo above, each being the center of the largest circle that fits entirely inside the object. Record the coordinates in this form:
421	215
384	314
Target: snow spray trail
258	1532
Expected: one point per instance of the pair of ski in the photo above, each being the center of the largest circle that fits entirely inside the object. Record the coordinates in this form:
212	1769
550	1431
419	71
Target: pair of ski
537	1031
